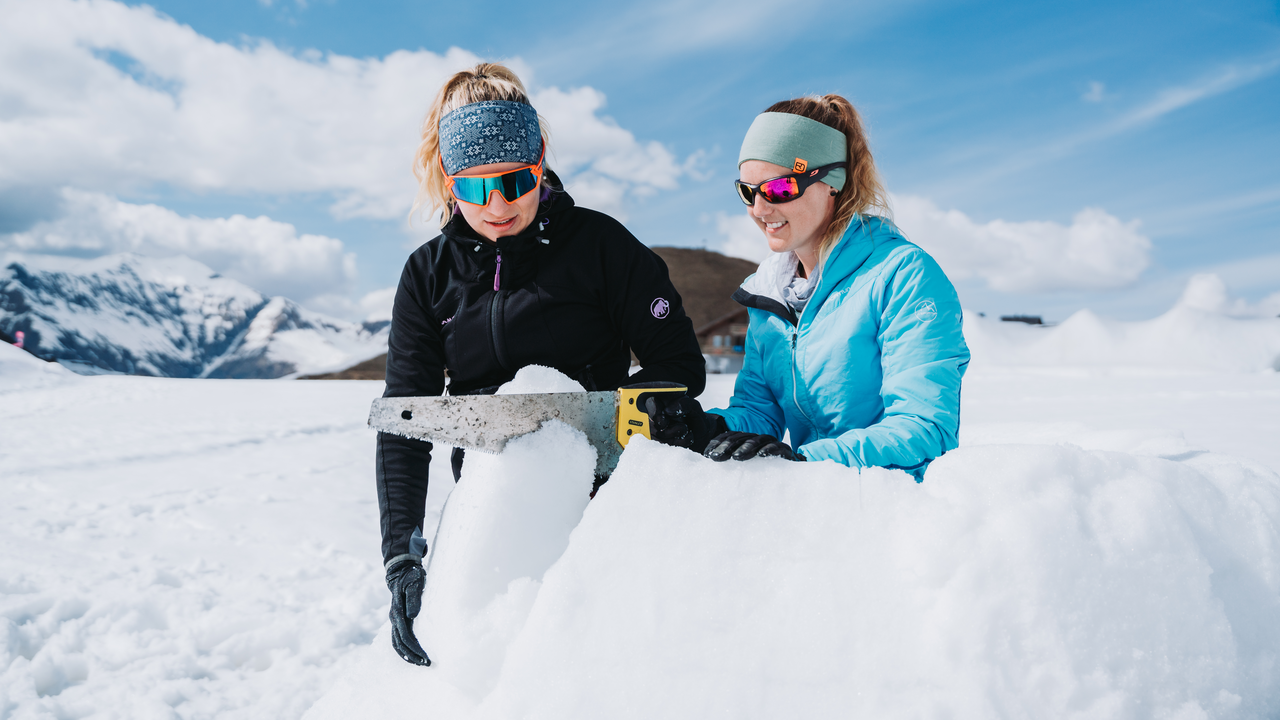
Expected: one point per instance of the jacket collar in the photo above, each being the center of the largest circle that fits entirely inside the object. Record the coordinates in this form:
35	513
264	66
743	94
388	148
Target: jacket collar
763	289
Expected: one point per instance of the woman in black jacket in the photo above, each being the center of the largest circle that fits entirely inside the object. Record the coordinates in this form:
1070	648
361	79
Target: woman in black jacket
518	276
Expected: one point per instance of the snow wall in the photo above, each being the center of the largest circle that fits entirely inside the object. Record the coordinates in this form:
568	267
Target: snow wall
1027	581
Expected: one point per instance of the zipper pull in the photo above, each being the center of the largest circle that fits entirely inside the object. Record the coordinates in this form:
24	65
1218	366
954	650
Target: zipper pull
794	335
497	273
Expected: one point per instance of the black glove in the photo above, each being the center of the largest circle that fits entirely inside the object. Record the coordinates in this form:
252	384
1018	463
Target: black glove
680	421
745	445
406	579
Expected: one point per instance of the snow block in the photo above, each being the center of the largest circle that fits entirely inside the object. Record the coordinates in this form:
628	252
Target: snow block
504	525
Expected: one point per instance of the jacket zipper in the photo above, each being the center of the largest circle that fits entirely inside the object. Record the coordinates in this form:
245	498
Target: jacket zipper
795	334
494	321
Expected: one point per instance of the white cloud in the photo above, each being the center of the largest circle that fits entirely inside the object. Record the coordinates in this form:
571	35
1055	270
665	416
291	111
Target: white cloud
1097	251
110	97
266	255
600	161
376	305
101	96
598	192
1097	92
741	237
1208	292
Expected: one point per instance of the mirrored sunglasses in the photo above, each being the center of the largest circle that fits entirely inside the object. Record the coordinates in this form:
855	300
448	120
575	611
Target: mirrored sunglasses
512	185
783	189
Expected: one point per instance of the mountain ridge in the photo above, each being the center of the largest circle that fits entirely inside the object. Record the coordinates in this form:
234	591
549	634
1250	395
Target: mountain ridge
172	317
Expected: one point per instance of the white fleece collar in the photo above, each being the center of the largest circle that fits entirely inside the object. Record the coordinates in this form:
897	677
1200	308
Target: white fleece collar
773	276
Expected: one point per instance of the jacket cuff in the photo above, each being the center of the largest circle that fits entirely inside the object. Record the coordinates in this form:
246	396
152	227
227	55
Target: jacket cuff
402	559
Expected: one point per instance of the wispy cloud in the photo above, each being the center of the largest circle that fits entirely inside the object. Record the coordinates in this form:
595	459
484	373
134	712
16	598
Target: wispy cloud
1262	200
623	36
1176	98
671	28
1164	102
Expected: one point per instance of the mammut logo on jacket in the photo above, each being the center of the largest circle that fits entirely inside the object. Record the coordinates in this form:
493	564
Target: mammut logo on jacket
660	308
926	311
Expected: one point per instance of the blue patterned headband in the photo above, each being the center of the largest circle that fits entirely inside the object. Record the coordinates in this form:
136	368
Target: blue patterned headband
489	131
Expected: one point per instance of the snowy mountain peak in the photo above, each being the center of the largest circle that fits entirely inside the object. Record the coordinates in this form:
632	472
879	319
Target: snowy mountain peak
171	317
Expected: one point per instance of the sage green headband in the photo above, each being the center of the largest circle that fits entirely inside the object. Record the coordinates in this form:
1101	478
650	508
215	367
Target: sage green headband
796	142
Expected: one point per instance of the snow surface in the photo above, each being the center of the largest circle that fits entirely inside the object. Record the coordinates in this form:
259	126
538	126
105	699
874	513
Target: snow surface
22	370
1105	544
1198	333
1026	580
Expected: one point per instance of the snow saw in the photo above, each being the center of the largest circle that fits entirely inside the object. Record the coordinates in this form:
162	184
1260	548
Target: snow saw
487	422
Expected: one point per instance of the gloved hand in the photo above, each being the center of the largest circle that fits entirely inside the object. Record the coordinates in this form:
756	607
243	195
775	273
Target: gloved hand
406	580
745	445
680	421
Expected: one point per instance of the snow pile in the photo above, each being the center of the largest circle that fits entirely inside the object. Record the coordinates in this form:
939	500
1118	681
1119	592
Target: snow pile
1018	580
1198	333
20	369
540	379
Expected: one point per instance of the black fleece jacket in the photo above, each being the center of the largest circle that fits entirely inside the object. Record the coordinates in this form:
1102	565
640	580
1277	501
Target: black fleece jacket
574	291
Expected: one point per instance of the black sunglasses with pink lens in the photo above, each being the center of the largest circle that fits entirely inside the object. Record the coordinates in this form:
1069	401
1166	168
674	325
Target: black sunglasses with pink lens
783	189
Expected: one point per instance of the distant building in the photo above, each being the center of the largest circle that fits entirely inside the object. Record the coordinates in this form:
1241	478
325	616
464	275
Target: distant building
724	341
1028	319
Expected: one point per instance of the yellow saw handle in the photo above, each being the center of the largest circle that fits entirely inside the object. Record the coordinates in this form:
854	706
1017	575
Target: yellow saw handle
632	418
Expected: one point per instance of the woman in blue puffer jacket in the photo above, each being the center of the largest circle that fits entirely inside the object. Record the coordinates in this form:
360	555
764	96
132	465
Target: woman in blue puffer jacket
855	344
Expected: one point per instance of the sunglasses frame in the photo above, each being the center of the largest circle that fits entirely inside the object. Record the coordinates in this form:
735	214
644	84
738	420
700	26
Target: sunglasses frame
803	181
537	169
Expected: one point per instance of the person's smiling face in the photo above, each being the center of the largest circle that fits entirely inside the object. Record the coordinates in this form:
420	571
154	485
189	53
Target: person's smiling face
796	226
500	218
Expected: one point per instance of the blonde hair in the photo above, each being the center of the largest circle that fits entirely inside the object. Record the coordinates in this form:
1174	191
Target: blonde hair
863	192
486	81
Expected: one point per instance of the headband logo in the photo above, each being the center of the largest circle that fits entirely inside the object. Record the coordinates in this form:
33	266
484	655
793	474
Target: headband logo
801	165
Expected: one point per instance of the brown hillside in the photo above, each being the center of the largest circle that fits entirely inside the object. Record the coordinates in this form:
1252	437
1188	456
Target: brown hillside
371	369
704	279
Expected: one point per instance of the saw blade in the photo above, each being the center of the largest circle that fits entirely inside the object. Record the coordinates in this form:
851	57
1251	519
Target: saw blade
487	422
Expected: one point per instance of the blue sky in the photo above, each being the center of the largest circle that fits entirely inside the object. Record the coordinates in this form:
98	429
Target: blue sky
1017	116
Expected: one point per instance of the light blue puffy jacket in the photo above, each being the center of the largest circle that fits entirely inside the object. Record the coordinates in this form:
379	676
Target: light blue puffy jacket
869	373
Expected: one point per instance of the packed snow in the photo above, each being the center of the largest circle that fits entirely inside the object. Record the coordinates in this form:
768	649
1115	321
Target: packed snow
1105	543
